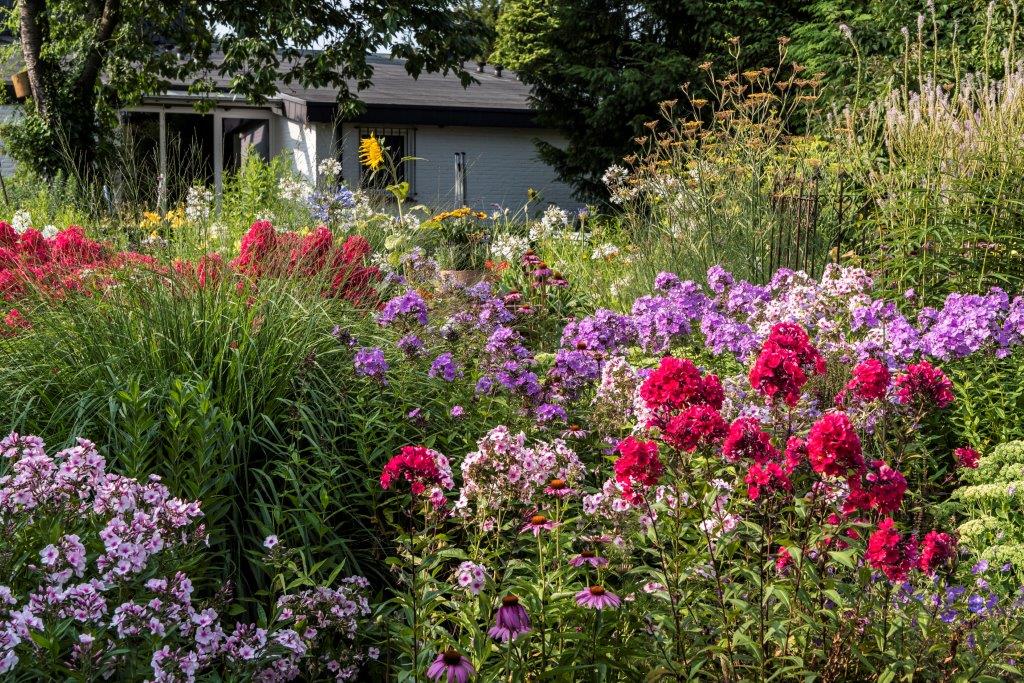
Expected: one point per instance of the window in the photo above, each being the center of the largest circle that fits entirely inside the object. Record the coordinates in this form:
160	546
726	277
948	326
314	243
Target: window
398	143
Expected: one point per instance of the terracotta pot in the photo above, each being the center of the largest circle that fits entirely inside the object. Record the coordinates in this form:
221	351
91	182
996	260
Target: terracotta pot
465	278
22	88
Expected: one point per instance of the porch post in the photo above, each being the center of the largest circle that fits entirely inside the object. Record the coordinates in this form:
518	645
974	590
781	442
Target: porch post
162	186
218	155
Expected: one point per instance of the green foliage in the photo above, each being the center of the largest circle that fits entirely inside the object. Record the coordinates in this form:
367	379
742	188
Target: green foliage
190	383
599	69
936	169
989	406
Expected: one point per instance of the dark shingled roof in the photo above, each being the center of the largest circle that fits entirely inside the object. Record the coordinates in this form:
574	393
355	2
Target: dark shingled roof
395	97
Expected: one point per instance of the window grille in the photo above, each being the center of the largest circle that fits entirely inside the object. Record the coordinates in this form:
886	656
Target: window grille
399	143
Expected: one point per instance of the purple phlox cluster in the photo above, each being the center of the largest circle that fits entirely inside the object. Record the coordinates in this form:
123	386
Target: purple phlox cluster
370	362
661	320
613	401
481	312
326	623
90	586
719	280
604	331
504	469
968	323
508	366
411	345
572	372
743	298
724	334
446	367
471	576
547	413
408	307
490	310
421	268
664	281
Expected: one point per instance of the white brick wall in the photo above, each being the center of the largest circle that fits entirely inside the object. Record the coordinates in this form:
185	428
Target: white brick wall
502	165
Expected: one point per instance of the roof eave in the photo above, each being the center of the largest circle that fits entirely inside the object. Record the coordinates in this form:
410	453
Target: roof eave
405	114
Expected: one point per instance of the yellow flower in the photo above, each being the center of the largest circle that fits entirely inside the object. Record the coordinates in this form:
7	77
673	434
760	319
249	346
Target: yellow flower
371	154
463	212
150	219
176	217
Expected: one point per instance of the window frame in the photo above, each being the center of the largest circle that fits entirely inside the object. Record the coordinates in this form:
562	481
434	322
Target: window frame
408	135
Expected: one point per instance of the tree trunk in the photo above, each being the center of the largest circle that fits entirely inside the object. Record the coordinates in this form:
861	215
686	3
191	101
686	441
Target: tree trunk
33	19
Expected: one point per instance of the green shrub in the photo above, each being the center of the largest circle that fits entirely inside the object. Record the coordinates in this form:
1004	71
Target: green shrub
990	503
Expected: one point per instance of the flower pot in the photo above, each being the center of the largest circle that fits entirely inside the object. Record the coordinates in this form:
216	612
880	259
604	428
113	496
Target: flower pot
22	87
463	278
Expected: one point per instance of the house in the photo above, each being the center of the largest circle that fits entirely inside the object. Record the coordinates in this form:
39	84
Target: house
472	146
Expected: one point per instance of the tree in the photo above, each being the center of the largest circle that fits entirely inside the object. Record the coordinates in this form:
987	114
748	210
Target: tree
598	69
86	59
486	12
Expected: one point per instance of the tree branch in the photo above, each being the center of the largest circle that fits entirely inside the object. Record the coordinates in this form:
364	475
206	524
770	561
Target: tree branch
108	22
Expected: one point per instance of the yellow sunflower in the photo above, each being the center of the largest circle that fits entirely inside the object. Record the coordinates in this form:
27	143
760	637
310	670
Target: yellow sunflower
371	154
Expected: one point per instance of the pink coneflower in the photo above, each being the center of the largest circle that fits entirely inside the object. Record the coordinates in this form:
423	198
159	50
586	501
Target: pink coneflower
539	523
558	488
588	557
451	667
574	432
511	621
596	597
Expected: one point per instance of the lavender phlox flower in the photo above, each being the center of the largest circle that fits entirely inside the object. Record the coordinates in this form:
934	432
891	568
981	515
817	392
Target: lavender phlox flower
409	306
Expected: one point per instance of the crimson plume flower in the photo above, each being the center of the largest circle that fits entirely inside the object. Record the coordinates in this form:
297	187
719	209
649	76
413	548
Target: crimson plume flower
695	426
869	382
746	439
786	360
12	322
424	468
257	244
889	552
967	457
882	490
833	447
677	383
925	385
638	466
936	550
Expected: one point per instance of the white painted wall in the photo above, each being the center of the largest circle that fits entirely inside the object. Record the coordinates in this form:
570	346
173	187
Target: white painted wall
502	165
306	143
